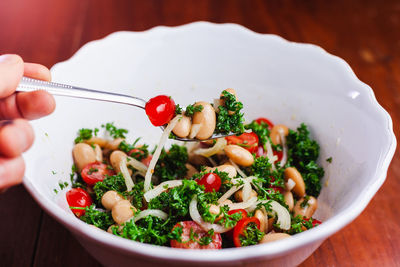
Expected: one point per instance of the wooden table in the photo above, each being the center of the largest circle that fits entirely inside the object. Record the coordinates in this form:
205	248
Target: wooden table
365	33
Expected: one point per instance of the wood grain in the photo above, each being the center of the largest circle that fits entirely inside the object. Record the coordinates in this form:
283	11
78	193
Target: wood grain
364	33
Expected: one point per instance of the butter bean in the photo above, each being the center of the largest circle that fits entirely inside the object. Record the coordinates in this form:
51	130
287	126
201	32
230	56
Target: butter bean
274	237
206	118
275	133
110	198
288	196
239	195
261	217
229	169
83	155
308	209
182	128
292	173
122	211
239	155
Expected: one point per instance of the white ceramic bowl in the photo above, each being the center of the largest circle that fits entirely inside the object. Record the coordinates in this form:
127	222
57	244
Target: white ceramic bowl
287	82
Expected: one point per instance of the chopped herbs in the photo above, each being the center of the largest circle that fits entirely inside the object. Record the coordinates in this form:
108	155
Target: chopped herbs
98	218
85	134
113	131
251	235
302	154
329	159
191	109
115	182
230	118
171	164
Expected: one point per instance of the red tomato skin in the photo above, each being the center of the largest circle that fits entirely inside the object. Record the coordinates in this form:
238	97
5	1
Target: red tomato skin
249	139
279	155
160	109
146	161
265	120
211	182
187	225
241	227
315	222
97	176
135	150
77	197
230	212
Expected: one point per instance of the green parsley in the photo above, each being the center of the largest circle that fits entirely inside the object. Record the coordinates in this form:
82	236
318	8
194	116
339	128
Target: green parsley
85	134
171	164
113	131
98	218
251	235
230	122
329	159
191	109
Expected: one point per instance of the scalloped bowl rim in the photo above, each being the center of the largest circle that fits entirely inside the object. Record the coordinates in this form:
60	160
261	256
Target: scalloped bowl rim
332	225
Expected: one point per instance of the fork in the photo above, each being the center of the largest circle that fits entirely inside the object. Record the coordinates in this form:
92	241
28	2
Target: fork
28	85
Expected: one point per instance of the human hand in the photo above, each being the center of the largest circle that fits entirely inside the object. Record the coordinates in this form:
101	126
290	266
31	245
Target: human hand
16	134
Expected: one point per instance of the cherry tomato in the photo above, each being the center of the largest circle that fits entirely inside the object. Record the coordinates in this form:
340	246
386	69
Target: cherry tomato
279	155
211	182
95	172
241	226
248	141
265	120
314	222
191	226
77	197
136	153
160	110
146	161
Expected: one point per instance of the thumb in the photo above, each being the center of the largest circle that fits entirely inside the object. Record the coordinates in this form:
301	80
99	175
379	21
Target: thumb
11	71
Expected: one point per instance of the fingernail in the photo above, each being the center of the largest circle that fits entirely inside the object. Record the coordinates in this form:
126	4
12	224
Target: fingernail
9	58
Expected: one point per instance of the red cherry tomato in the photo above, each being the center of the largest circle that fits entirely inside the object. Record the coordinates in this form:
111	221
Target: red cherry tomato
314	222
211	182
279	155
241	226
136	153
191	226
146	161
95	172
265	120
77	197
160	110
248	141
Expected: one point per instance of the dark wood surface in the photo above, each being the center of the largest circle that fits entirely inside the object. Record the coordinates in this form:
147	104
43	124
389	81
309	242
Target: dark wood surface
365	33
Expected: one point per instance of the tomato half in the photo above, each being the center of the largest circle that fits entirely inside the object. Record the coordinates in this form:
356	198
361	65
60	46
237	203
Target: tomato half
314	222
95	172
248	141
198	233
242	211
241	226
265	120
160	110
77	197
136	153
146	161
211	182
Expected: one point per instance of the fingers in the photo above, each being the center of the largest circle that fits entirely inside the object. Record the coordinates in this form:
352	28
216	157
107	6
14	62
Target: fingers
15	137
37	71
11	171
32	105
11	70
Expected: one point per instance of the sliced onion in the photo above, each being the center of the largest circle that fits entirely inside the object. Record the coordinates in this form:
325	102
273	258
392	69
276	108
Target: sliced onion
208	152
156	213
156	155
235	187
284	148
270	154
217	103
246	191
290	184
125	173
149	195
243	205
241	173
281	212
137	165
195	215
194	130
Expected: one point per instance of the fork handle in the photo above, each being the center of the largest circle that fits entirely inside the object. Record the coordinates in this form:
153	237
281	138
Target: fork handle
28	85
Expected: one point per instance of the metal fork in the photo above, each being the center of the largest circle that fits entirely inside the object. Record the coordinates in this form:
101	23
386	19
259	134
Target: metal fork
28	85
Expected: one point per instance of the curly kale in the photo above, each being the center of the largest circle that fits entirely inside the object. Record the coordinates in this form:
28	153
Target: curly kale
171	164
302	154
230	122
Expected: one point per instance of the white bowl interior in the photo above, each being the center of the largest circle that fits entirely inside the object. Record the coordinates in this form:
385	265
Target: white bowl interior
286	82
